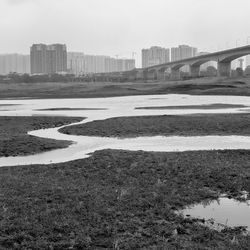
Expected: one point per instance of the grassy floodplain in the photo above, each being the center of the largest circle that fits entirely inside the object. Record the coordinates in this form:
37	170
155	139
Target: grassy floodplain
120	200
167	125
208	106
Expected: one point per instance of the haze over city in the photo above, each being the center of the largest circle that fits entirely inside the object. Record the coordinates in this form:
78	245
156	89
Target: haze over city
119	28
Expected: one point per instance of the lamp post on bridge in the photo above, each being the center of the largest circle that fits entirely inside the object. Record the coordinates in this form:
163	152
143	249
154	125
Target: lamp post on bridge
237	42
248	40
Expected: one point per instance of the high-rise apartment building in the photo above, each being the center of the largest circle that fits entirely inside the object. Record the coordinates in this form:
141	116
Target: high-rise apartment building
38	61
95	64
154	55
110	64
78	63
48	59
182	52
14	63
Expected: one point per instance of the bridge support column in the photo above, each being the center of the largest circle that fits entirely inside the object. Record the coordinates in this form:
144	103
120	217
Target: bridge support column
224	69
139	75
132	76
194	71
152	75
175	74
160	75
145	75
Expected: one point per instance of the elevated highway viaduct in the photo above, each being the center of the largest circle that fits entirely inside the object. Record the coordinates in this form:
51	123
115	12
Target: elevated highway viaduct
223	59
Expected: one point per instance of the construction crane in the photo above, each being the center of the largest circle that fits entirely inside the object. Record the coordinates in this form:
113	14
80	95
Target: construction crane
133	55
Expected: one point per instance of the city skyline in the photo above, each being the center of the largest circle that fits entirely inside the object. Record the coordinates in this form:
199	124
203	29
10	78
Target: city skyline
115	27
80	63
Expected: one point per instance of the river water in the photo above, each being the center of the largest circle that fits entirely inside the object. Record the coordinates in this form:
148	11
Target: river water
103	108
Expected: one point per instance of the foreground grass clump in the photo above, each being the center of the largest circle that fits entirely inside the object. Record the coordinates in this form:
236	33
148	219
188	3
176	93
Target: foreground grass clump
168	125
14	139
119	200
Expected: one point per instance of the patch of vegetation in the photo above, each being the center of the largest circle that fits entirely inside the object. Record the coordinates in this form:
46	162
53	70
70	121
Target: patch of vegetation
208	106
56	109
14	139
120	200
167	125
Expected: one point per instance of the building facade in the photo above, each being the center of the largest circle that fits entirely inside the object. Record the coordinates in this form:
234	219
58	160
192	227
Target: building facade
182	52
78	63
48	59
154	55
14	63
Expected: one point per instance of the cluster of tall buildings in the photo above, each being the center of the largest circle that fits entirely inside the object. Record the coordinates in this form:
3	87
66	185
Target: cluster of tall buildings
79	63
158	55
14	63
54	58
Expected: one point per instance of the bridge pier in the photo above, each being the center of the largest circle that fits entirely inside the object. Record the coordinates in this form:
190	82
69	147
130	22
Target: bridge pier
224	69
132	76
139	75
194	71
145	75
175	74
152	75
160	75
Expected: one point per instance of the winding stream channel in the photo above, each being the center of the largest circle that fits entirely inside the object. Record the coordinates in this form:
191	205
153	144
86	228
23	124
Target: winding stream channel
102	108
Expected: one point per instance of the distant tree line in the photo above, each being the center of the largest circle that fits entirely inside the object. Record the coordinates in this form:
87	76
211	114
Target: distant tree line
26	78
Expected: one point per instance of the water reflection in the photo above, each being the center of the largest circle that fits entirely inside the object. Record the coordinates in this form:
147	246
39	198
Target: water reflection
225	211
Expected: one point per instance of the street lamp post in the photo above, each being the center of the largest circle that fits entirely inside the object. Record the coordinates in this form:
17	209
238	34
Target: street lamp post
248	40
237	42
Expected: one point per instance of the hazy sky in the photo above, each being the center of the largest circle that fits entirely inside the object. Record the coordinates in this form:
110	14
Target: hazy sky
120	27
